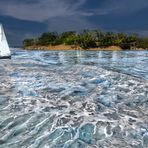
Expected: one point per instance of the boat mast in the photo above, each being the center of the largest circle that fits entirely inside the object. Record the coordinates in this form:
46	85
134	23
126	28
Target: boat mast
1	34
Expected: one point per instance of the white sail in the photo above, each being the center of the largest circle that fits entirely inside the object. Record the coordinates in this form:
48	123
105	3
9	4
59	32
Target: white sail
4	47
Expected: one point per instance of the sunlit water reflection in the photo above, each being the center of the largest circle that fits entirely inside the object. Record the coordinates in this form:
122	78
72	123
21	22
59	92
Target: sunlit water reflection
74	99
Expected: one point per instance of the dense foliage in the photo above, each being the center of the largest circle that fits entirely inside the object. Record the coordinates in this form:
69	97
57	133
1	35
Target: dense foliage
89	39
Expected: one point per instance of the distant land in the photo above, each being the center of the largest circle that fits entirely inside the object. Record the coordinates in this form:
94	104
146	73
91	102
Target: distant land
86	40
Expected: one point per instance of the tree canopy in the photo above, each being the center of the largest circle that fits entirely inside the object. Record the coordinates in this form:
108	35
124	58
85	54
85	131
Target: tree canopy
89	39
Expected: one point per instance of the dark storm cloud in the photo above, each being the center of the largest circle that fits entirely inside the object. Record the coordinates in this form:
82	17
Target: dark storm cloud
40	10
24	18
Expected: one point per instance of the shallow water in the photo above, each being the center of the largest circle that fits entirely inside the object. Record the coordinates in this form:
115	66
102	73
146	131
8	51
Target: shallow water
74	99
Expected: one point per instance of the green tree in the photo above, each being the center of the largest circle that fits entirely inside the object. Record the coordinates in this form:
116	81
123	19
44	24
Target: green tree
47	38
108	39
28	42
143	43
89	39
129	42
86	40
65	35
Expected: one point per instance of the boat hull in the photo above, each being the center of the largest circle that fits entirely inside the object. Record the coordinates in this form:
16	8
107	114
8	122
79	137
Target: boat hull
5	57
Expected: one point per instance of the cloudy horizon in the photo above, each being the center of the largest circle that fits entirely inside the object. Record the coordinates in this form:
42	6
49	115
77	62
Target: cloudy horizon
29	18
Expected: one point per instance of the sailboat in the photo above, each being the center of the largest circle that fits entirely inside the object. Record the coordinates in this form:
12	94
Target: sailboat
4	47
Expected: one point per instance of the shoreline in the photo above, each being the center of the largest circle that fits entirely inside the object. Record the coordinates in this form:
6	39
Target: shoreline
72	47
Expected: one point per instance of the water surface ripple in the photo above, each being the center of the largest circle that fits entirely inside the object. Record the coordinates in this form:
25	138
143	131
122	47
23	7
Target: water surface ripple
74	99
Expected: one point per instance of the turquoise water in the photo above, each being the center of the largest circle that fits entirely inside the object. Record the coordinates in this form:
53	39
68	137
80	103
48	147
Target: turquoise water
74	99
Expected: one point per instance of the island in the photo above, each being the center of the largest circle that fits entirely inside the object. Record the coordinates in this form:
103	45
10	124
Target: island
86	40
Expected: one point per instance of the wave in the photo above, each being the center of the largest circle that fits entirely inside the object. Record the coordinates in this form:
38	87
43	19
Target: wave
70	105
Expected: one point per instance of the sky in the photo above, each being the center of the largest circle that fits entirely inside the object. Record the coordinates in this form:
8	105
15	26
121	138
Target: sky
29	18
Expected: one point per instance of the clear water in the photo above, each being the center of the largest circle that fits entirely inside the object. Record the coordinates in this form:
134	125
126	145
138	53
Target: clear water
74	99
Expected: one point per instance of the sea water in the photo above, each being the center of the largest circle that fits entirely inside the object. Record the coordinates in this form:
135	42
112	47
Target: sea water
74	99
